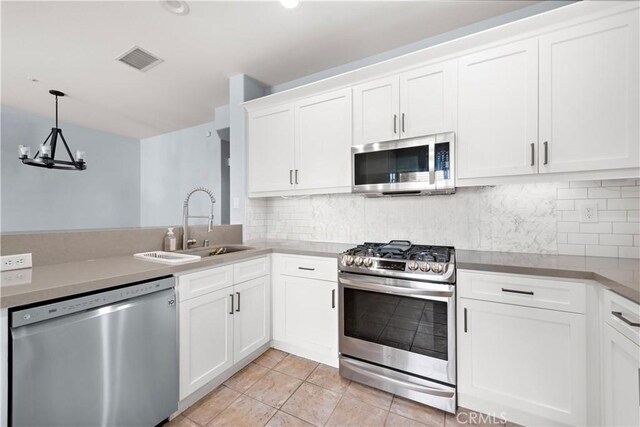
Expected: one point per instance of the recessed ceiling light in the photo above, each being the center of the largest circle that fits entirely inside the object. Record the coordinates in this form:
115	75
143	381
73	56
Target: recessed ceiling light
290	4
177	7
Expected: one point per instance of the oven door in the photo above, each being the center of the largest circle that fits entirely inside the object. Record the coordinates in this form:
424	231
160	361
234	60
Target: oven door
400	324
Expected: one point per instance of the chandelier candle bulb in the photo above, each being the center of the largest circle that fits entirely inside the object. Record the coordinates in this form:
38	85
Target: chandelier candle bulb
25	151
80	155
45	151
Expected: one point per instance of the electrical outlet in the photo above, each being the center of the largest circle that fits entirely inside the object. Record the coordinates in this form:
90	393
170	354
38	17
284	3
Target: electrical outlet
589	212
15	262
16	277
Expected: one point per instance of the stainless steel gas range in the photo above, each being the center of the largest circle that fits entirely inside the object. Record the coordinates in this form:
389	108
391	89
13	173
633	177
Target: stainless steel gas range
397	320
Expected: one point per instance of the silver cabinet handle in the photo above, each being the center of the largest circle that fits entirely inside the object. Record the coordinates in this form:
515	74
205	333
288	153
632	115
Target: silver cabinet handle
533	153
546	152
306	268
238	307
402	122
514	291
465	319
620	316
296	174
395	123
291	176
333	298
231	295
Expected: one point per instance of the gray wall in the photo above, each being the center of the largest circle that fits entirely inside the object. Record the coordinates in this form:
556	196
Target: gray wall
241	88
535	9
106	195
171	165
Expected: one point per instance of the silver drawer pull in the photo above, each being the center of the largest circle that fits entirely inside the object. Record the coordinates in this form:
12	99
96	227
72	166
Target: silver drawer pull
306	268
514	291
620	316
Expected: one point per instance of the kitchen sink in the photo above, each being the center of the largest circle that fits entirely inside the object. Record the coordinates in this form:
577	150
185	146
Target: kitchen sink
215	250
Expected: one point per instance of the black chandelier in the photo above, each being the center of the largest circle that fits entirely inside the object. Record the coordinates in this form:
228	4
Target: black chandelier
46	156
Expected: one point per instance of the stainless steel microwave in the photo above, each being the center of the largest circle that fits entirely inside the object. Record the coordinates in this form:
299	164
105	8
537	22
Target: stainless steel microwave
423	165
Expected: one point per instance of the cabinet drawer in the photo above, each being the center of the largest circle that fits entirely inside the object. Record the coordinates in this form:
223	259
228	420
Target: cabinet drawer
203	282
251	269
309	267
531	291
621	314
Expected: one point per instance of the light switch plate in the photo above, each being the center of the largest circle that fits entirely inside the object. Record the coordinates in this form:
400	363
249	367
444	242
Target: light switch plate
15	262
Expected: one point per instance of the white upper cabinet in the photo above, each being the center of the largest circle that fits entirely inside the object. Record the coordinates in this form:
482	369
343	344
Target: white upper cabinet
589	91
271	149
428	100
323	141
376	106
414	103
498	111
303	147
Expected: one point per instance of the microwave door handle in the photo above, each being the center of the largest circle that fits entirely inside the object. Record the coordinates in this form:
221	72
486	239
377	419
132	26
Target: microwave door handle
432	164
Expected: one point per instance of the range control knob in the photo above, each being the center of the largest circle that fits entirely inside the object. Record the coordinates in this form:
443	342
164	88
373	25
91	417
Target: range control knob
358	261
412	265
437	267
424	266
368	262
347	259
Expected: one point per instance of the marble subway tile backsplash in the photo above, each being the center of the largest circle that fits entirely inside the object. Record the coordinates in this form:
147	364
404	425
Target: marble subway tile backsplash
616	231
532	218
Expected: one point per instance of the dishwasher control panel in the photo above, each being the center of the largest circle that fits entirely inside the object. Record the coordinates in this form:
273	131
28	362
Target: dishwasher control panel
38	313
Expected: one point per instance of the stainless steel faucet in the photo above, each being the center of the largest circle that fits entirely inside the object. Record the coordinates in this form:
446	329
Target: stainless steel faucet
185	216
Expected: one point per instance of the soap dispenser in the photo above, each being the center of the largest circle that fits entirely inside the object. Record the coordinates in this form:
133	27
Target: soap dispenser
170	240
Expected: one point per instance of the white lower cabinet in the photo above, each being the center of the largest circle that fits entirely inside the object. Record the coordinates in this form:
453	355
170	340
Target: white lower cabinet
252	316
206	339
305	309
223	326
525	364
621	372
620	361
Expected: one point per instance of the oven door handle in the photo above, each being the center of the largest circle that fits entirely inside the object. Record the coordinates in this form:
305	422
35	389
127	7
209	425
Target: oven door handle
359	368
398	290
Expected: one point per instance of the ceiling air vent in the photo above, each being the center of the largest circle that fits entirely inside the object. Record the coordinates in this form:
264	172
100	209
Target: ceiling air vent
139	59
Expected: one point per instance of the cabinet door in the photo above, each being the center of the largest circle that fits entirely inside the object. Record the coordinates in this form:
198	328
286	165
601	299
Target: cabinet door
621	372
206	339
252	316
428	100
310	318
498	111
376	106
589	96
323	141
271	149
528	363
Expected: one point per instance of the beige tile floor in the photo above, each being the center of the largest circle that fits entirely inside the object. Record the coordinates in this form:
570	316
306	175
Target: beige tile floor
279	389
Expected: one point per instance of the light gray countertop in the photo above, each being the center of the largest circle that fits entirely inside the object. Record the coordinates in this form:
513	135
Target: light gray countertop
72	278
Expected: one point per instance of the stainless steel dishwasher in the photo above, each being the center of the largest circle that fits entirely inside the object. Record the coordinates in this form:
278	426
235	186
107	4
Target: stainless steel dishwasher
105	359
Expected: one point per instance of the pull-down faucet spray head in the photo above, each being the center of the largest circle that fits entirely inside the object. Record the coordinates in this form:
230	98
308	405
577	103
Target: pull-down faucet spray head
185	214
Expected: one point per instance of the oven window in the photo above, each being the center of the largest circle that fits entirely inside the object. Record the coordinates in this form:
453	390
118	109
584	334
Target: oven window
392	166
411	324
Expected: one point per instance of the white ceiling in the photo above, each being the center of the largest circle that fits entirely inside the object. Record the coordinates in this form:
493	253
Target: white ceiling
71	46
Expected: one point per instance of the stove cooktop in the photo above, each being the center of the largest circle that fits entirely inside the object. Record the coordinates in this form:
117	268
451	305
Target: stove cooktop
402	259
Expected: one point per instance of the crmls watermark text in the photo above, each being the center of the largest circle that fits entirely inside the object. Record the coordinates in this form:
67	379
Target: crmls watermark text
476	418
